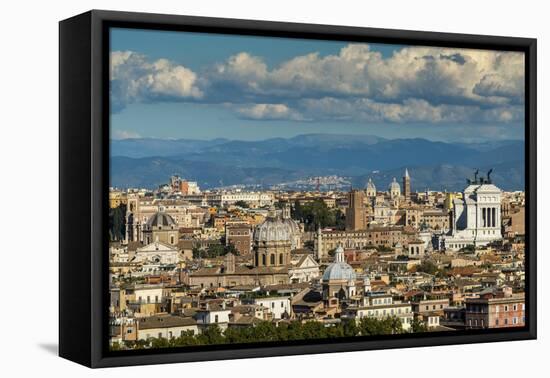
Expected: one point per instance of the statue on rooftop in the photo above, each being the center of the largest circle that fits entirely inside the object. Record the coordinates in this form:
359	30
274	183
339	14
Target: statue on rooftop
489	175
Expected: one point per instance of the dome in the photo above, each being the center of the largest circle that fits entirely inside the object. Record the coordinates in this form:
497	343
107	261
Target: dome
273	229
293	225
160	219
394	186
339	269
370	186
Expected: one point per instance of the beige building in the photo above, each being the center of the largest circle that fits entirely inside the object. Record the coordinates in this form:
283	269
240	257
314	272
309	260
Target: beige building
387	236
272	259
229	275
165	326
381	307
161	228
141	209
158	253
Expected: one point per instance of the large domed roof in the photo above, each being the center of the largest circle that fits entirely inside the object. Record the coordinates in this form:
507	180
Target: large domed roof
273	229
394	186
370	186
294	227
161	219
339	269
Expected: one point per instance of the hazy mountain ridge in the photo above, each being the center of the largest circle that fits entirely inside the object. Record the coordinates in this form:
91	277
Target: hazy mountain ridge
434	165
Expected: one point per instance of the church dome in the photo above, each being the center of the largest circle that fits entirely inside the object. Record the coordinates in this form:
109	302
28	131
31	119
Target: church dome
293	225
394	186
371	188
339	270
273	229
161	219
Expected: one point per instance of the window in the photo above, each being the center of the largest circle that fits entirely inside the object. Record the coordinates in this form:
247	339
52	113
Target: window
160	335
506	321
515	321
515	307
170	334
216	318
496	322
272	259
506	308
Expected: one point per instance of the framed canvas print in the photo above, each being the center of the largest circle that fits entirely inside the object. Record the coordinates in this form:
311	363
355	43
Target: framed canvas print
233	188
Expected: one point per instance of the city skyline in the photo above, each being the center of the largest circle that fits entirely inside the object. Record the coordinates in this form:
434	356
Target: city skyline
271	189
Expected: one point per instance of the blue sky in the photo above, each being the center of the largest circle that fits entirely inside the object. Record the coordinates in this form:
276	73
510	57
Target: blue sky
204	86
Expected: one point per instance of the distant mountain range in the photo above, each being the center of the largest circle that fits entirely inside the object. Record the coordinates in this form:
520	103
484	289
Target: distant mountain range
222	162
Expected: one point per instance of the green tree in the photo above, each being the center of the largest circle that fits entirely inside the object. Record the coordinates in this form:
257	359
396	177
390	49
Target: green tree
211	335
427	267
468	248
266	331
317	214
242	204
418	326
387	326
117	223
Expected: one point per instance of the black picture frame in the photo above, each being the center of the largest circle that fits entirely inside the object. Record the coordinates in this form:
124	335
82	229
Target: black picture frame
84	178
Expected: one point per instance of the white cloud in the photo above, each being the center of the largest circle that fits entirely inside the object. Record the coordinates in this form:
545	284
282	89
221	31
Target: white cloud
434	74
415	84
269	112
135	79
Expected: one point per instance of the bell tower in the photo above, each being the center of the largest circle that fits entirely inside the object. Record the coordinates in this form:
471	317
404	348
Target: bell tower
407	185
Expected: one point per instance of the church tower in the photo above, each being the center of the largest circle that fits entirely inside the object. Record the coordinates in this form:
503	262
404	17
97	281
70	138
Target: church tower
407	185
356	212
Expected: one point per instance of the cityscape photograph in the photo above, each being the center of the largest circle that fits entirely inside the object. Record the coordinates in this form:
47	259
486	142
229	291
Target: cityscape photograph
274	190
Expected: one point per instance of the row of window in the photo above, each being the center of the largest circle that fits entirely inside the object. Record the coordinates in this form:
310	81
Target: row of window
148	300
392	311
272	259
170	334
434	307
378	301
506	308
